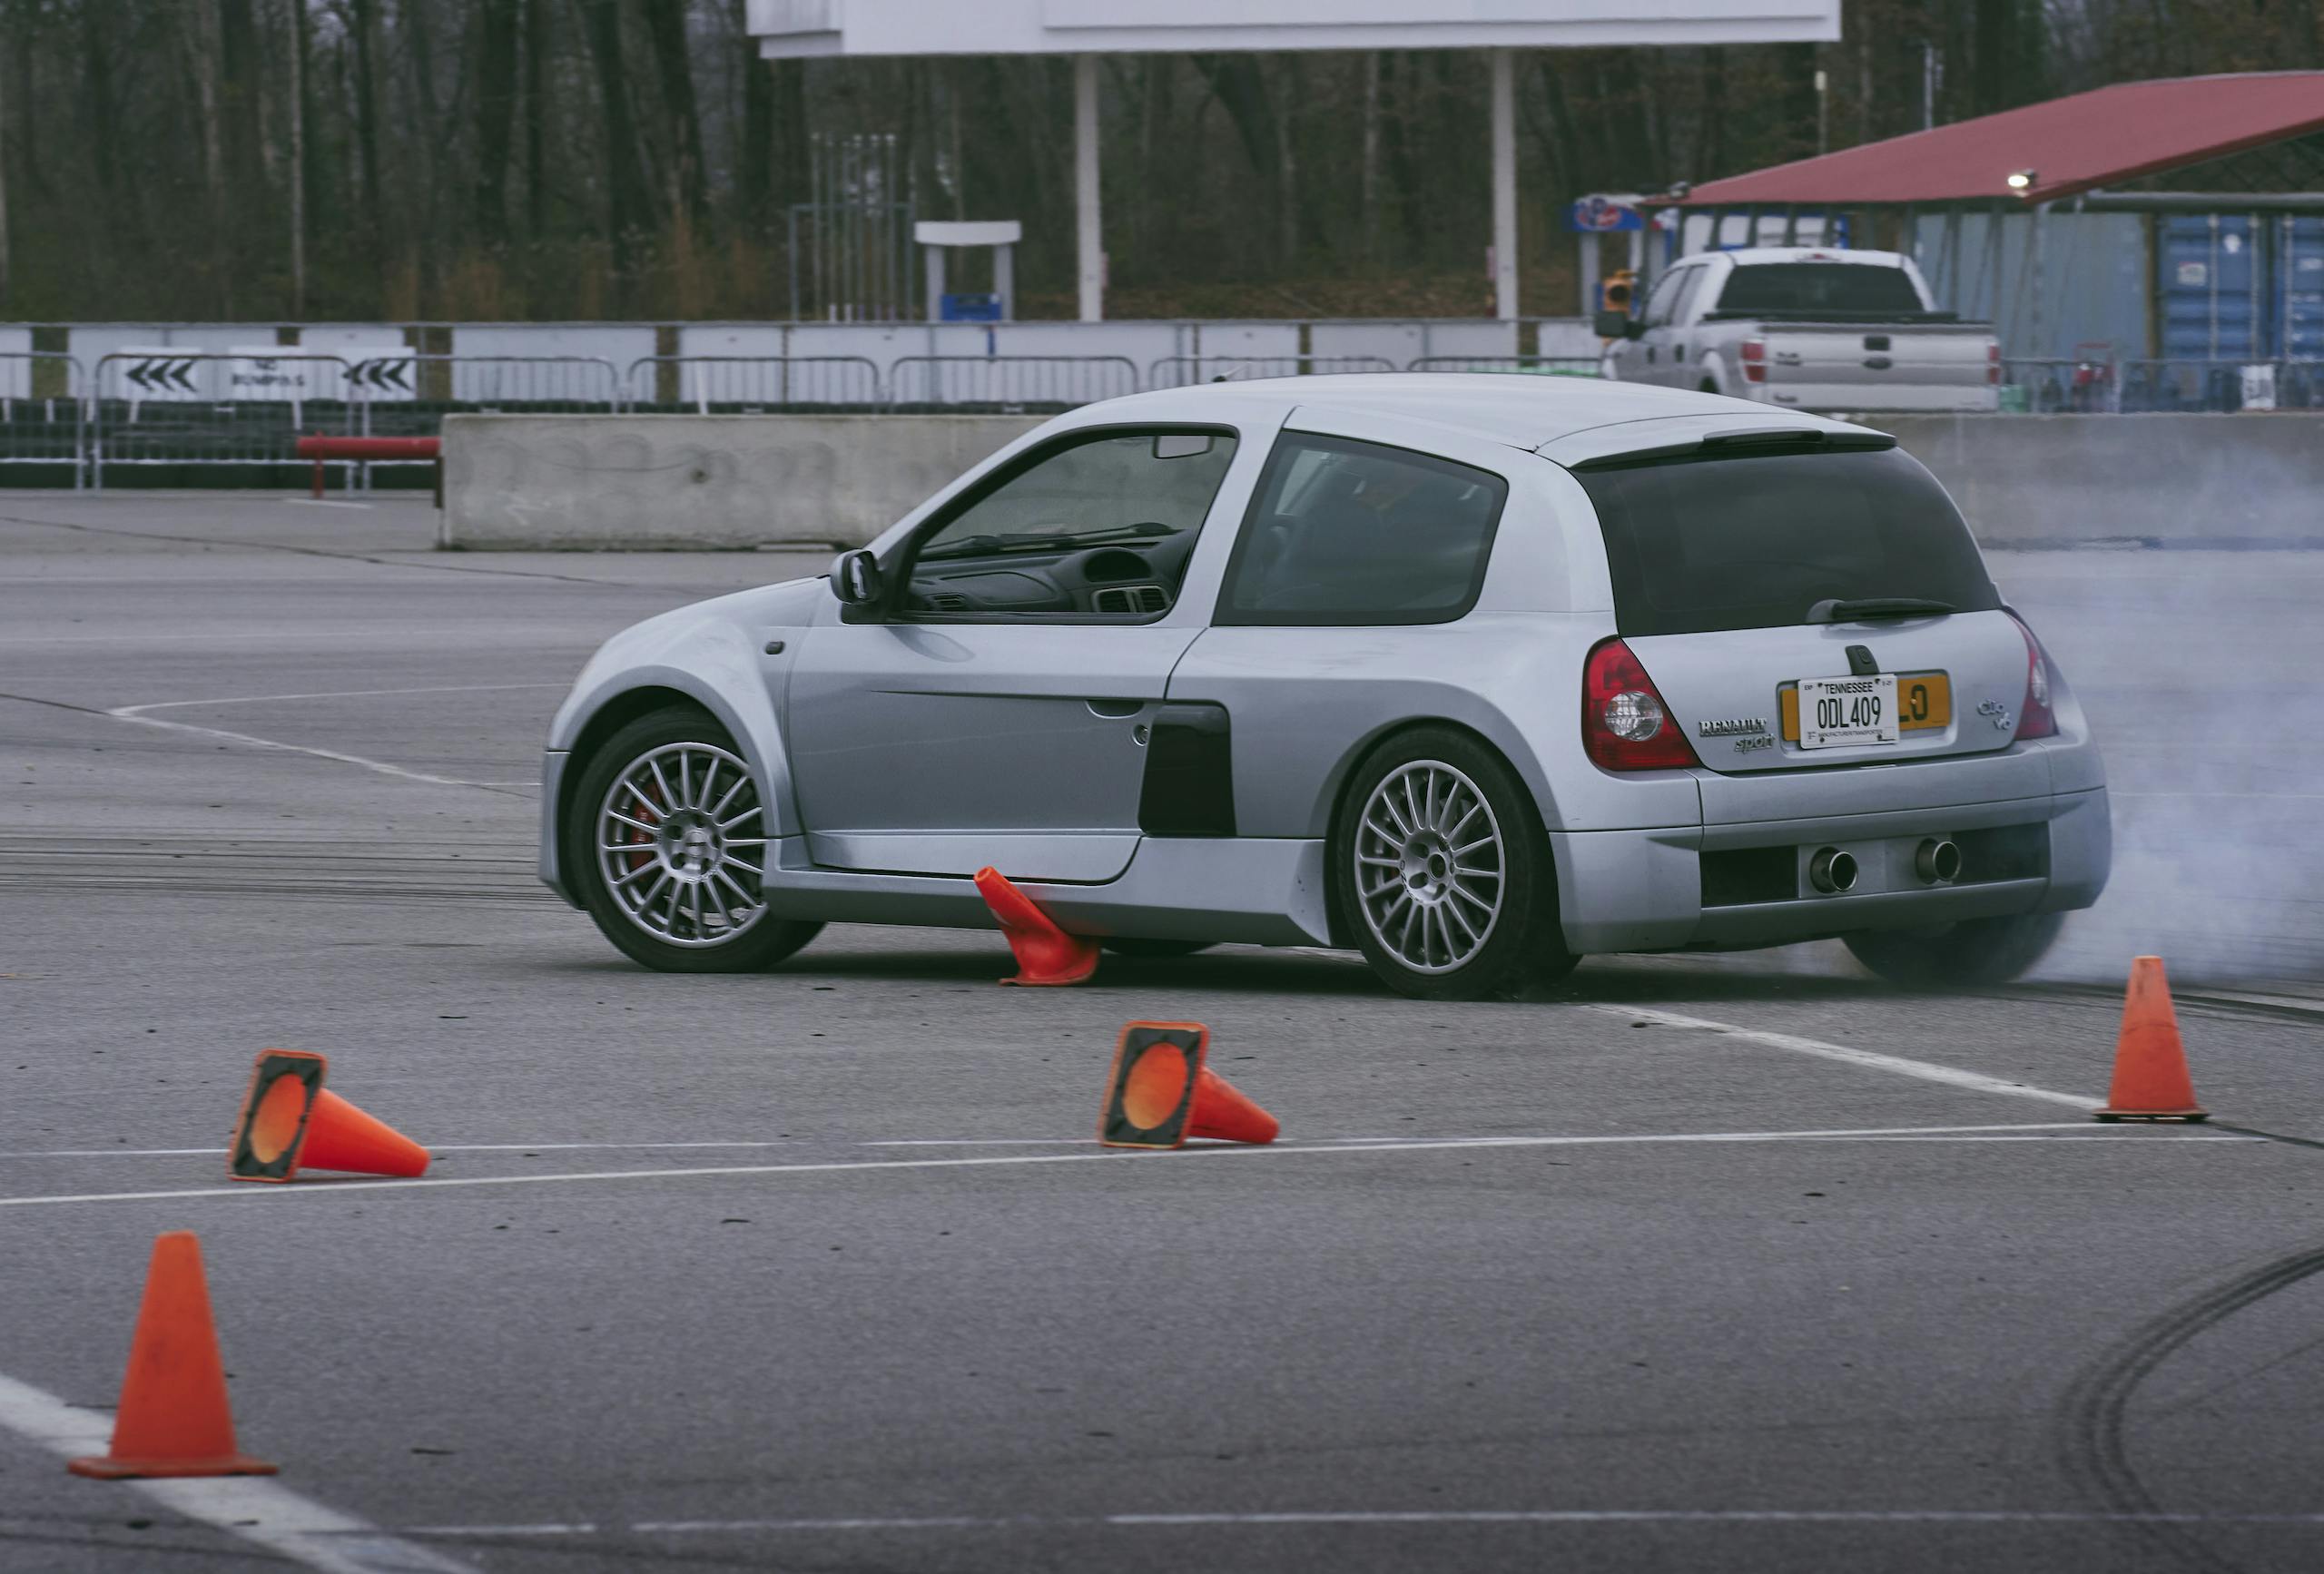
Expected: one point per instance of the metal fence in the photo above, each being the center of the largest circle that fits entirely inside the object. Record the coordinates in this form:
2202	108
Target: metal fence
212	408
712	385
1537	365
1008	382
41	419
2098	386
1186	371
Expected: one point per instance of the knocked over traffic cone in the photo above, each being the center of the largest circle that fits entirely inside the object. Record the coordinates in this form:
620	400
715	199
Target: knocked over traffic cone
173	1419
2150	1081
1044	953
290	1120
1160	1092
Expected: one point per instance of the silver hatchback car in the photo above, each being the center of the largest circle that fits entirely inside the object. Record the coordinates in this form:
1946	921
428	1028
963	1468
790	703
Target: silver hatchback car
1479	674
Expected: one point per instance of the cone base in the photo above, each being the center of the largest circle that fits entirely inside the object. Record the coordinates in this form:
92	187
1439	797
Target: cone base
109	1469
1078	976
2189	1115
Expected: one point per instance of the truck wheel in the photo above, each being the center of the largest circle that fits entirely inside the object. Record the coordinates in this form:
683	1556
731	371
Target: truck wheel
1708	386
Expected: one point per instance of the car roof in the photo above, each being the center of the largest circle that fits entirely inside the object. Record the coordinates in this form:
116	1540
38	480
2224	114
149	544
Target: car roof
1530	411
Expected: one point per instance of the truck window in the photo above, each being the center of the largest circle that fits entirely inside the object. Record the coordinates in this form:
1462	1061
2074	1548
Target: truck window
1665	292
1853	288
1698	545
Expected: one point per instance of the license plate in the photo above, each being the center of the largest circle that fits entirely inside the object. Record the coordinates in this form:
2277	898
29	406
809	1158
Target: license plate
1847	713
1924	704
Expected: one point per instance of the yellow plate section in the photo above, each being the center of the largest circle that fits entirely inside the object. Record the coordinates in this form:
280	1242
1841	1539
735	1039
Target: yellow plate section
1925	700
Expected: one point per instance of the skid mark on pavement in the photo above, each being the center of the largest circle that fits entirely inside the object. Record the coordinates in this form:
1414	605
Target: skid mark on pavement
1108	1155
254	1508
1377	1518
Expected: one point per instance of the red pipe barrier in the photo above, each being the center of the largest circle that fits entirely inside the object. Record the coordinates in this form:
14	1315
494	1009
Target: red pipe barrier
320	448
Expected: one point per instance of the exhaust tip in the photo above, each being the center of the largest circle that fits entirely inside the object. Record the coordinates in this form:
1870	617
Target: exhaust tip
1937	862
1832	871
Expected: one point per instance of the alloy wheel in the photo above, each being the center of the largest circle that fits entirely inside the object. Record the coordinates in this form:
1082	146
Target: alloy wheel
1430	867
682	845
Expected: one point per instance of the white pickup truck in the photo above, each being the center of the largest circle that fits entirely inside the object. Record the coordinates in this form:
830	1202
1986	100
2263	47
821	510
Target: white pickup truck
1808	327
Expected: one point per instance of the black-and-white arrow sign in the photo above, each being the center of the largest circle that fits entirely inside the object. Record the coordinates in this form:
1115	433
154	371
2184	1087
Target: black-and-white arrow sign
384	376
163	374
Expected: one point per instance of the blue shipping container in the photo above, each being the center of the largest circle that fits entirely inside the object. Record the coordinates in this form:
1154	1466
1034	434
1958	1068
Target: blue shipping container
2299	283
2214	302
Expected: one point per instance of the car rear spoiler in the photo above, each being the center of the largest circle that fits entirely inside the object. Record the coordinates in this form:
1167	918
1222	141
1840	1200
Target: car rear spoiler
1736	440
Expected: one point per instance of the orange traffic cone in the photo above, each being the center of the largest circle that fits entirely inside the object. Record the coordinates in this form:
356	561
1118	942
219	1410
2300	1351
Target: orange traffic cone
1160	1093
1044	953
290	1119
2151	1080
173	1419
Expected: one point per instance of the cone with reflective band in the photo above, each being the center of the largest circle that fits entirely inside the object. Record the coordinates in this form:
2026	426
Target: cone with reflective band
174	1419
1044	953
1160	1093
2151	1080
291	1122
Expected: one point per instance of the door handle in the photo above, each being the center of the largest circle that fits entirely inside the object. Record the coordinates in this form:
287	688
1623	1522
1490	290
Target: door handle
1115	710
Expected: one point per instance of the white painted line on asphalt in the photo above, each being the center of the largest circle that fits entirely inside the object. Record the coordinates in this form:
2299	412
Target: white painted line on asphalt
1925	1070
321	503
254	1508
351	1186
126	711
129	713
1423	1516
433	1147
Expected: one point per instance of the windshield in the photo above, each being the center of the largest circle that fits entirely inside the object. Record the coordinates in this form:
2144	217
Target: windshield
1756	541
1852	288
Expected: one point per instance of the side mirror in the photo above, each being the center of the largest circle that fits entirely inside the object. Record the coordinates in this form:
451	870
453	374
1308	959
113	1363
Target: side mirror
855	577
1614	325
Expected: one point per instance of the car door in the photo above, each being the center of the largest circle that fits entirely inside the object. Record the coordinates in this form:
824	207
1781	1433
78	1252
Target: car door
995	706
1655	346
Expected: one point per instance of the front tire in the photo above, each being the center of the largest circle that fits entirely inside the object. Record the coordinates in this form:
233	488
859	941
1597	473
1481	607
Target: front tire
667	842
1443	873
1992	950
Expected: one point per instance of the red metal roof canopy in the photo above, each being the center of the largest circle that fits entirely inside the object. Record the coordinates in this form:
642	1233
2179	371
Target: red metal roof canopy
2072	144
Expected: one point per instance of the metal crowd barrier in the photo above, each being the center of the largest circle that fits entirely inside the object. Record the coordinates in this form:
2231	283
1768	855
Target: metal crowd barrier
1008	382
41	417
212	407
711	384
1537	365
2071	386
1186	371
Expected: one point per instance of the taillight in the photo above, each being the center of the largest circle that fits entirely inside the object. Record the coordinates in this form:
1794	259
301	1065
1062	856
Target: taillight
1754	355
2034	717
1624	725
1993	363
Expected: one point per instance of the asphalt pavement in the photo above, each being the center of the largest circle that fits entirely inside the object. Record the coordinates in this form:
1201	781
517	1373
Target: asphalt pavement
1734	1264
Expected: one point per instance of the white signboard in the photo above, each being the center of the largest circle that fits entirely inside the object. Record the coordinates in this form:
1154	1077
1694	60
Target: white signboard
381	373
156	373
275	373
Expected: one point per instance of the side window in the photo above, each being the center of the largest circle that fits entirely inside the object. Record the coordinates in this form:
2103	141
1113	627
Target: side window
1666	295
1342	532
1691	288
1102	525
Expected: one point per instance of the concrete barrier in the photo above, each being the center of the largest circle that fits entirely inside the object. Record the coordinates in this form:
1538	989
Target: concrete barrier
627	483
2244	481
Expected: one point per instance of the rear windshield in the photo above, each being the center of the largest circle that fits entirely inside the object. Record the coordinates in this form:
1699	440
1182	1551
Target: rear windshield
1753	542
1839	287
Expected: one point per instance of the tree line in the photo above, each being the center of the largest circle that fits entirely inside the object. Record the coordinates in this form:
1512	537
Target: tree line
409	159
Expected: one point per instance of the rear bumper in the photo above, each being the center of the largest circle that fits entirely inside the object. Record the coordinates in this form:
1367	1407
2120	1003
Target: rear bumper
1897	398
1741	885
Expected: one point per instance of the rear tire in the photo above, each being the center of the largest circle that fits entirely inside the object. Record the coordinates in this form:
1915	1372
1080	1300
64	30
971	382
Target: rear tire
687	898
1440	870
1992	950
1154	951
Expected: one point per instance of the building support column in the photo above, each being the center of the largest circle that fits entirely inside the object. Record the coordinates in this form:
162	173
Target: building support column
1092	249
1504	186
